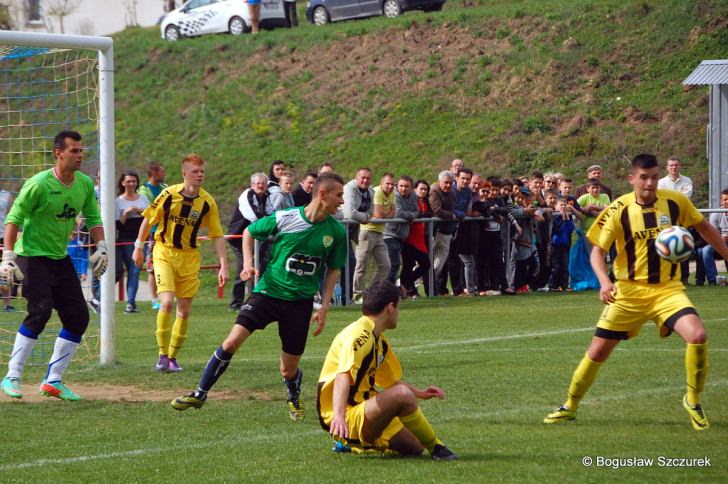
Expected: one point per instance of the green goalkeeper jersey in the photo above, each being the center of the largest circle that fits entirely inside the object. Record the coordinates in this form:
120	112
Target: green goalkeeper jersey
46	209
300	251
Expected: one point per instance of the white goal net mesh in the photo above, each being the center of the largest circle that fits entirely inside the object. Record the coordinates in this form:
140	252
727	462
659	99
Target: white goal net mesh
44	91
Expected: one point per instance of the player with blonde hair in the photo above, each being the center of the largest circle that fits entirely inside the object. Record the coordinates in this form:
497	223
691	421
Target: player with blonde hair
180	211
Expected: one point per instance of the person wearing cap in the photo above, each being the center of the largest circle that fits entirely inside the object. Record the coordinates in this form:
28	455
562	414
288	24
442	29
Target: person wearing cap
594	171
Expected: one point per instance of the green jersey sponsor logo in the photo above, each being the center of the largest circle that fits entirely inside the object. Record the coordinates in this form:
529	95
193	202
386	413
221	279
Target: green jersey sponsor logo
303	265
68	212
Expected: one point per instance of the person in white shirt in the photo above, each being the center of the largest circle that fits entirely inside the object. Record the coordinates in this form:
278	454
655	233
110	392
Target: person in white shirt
679	183
674	180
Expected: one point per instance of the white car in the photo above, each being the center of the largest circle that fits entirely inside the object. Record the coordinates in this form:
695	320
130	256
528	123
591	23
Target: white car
200	17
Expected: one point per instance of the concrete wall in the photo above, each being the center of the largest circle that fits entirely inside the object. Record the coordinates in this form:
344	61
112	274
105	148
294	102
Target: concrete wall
718	142
90	17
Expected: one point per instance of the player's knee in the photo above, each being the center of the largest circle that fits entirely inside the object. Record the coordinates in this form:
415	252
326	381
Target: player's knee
77	326
598	354
404	396
39	315
698	336
166	306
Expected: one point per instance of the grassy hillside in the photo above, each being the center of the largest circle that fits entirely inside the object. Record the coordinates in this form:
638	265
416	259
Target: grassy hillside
508	86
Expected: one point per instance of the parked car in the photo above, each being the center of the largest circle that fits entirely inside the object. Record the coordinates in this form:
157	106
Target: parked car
200	17
321	12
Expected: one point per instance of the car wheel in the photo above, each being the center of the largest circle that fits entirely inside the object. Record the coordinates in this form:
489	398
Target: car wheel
237	26
171	33
321	16
391	8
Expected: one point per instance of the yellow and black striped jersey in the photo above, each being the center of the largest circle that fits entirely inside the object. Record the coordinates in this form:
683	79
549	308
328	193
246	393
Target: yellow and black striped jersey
633	229
369	360
180	217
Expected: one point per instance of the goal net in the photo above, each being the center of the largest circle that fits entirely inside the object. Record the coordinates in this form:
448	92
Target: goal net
49	83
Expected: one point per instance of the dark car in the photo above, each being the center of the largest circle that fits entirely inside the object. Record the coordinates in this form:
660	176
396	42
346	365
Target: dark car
321	12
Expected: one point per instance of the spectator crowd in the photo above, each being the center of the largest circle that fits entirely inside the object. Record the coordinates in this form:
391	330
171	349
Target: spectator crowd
490	236
481	236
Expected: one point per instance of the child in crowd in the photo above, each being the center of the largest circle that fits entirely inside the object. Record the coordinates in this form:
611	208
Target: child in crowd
561	230
524	259
592	203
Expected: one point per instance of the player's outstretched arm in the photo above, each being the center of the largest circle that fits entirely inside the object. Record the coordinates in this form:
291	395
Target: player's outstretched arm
221	249
424	394
338	427
712	236
330	278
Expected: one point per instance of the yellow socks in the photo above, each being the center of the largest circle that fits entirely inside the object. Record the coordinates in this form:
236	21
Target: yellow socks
164	332
582	379
179	335
696	370
421	428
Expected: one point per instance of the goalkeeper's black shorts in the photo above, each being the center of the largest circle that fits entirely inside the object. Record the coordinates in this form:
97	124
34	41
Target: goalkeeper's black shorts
53	284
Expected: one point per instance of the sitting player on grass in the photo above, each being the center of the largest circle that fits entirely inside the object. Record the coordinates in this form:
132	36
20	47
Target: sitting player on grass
350	407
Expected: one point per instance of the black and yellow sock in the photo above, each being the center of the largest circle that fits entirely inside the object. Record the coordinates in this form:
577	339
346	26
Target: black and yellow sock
164	331
583	377
696	370
417	424
179	336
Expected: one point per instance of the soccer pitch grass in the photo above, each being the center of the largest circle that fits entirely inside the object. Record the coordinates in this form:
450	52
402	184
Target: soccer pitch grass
503	362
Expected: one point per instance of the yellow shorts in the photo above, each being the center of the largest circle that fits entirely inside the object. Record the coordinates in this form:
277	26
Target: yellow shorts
177	270
355	420
637	303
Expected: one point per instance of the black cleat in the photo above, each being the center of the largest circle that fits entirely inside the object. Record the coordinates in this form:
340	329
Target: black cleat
440	452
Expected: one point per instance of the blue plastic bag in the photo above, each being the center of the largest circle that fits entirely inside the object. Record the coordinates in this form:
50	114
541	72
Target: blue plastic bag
580	270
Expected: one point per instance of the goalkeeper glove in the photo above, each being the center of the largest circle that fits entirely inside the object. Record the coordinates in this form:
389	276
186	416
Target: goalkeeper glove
9	270
100	259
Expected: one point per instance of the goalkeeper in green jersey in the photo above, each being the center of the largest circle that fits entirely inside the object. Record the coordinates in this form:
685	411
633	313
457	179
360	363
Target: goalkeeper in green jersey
46	209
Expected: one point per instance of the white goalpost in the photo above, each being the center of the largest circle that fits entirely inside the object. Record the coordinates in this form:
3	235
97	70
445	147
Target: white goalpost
34	107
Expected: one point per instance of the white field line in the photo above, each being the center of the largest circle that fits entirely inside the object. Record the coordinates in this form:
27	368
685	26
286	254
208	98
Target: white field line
621	348
588	402
452	416
510	410
142	452
440	344
474	341
490	339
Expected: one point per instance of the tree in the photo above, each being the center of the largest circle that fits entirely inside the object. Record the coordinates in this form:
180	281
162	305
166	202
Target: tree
61	9
131	13
6	21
